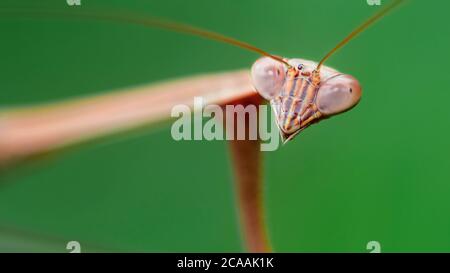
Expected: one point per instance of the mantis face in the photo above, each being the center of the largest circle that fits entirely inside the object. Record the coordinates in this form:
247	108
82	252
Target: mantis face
300	95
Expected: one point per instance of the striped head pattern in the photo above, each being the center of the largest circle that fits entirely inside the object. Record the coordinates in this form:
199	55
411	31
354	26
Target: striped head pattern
301	95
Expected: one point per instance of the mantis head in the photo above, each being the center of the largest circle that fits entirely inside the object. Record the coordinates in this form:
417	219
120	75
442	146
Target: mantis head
302	92
301	95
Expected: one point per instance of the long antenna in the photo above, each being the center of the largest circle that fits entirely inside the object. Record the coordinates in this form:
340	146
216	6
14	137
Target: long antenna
359	29
149	22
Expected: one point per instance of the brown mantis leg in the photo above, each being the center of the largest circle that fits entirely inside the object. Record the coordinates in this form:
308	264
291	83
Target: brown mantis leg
32	130
246	159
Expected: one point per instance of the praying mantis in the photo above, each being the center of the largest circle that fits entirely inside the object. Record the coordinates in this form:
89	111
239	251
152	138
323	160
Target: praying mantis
300	92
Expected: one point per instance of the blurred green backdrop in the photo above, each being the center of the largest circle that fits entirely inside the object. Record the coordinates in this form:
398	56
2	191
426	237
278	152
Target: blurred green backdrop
379	172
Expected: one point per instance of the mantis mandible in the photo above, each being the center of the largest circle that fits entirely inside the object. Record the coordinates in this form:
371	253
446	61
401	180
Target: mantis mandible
300	92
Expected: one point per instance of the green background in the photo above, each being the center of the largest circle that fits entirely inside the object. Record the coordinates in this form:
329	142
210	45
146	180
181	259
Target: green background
379	172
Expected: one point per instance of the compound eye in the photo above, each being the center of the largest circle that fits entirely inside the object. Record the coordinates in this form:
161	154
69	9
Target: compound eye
300	66
268	77
338	94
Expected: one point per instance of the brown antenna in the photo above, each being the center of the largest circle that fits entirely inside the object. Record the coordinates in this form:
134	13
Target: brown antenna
359	29
148	22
